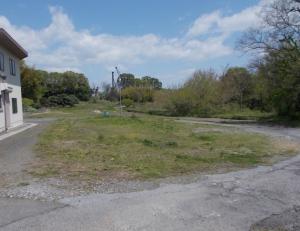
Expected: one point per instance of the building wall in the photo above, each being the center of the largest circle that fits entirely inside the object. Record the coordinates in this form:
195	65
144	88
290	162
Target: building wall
16	119
2	122
15	83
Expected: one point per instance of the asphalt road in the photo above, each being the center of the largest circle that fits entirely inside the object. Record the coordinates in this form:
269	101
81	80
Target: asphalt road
232	202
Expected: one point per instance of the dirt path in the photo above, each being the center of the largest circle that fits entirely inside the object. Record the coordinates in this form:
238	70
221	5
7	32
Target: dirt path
233	201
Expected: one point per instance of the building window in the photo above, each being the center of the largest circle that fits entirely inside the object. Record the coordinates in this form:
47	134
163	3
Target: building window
1	61
12	66
14	105
0	103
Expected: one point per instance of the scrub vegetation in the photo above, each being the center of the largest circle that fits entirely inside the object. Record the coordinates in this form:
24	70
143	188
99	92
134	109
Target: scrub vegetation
268	88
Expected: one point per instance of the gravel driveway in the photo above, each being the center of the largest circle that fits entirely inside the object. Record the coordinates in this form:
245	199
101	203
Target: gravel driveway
16	153
242	200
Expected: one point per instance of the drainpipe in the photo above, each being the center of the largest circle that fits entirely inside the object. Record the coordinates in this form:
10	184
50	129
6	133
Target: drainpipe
4	93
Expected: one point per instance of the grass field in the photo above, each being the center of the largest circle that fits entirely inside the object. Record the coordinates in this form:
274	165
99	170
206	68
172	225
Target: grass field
83	145
230	113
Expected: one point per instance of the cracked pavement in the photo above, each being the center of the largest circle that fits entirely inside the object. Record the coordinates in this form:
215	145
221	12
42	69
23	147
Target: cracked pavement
241	200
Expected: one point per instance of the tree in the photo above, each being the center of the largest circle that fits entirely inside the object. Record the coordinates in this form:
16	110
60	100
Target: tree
69	82
37	84
283	82
150	82
236	85
279	30
127	80
198	96
203	86
32	83
278	40
138	94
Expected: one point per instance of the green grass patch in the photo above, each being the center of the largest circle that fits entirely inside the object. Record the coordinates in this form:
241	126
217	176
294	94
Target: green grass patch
84	145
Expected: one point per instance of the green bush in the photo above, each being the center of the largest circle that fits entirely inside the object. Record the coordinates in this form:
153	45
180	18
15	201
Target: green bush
94	99
127	102
44	102
63	100
54	101
27	102
180	103
181	108
28	105
73	99
138	94
197	97
149	143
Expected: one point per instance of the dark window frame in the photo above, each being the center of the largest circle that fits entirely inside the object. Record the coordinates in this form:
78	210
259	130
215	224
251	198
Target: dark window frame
12	66
2	61
14	103
1	103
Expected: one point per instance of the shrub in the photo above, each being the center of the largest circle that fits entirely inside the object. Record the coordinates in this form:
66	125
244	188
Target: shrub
172	144
37	105
197	97
44	102
100	137
94	99
27	102
63	100
147	142
127	102
138	94
28	105
112	95
54	101
73	99
180	103
29	109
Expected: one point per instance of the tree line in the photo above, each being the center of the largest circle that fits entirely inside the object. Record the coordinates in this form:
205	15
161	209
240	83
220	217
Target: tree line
42	88
207	93
277	68
129	80
134	89
270	83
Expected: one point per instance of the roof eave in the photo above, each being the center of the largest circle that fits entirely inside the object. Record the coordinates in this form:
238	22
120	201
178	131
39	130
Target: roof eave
13	45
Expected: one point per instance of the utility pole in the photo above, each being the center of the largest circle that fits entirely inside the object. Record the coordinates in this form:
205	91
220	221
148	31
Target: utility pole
113	84
119	84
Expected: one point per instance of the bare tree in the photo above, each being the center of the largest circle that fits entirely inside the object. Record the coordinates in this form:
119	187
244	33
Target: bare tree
280	28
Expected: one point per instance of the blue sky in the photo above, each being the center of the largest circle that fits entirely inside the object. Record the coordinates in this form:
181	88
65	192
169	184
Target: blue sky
166	39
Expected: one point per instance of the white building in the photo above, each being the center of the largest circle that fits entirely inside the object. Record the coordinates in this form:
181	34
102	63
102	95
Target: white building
11	53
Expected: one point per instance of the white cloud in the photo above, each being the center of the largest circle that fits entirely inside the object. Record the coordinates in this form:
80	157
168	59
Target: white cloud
240	21
204	24
60	46
25	35
216	22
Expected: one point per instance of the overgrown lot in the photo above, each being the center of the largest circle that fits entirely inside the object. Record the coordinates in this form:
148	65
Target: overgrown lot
83	145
